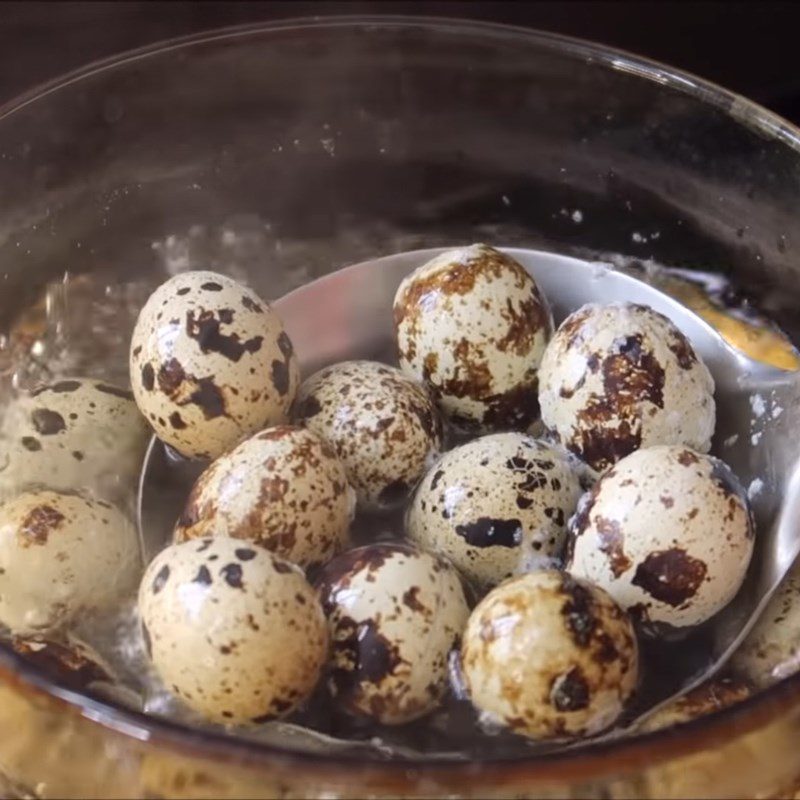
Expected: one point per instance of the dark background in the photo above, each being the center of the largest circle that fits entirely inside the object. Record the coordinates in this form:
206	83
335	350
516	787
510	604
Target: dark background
748	47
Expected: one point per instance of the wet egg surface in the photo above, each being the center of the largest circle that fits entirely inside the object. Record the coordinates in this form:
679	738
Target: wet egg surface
619	377
283	488
395	614
74	434
62	555
668	533
234	631
496	506
472	325
549	656
383	426
210	364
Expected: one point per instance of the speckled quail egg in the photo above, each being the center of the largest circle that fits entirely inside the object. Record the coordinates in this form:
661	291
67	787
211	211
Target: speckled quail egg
383	426
395	613
72	663
283	488
771	650
73	434
210	364
621	376
472	325
234	631
496	506
667	532
711	696
549	657
61	555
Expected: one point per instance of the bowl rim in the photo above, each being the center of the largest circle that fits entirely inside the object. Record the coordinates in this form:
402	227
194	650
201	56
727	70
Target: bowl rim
587	759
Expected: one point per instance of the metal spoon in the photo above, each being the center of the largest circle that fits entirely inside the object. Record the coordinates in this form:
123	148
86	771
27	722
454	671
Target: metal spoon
347	315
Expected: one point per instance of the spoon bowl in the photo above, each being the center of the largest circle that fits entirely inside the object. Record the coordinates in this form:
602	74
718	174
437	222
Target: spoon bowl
347	315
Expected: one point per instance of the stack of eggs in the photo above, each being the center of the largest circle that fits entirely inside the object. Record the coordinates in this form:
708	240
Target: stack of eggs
71	453
560	477
261	595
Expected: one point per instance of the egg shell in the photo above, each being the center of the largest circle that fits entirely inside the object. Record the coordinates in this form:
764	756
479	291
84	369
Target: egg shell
496	506
74	434
771	650
395	614
62	555
619	377
549	657
667	532
210	364
383	426
472	325
283	488
234	631
711	696
74	664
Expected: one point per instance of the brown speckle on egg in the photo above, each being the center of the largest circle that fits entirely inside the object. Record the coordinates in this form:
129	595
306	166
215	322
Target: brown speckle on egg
37	525
115	391
206	329
160	579
176	420
47	422
232	574
203	576
60	387
612	543
148	374
570	691
671	576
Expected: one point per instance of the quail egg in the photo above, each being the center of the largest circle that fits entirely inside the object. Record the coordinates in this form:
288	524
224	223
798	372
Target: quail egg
72	663
75	434
382	425
60	555
395	614
618	377
667	532
496	506
711	696
771	650
234	631
549	657
283	488
210	364
472	325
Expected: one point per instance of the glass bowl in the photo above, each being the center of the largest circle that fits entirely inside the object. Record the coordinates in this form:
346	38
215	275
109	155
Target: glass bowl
282	152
